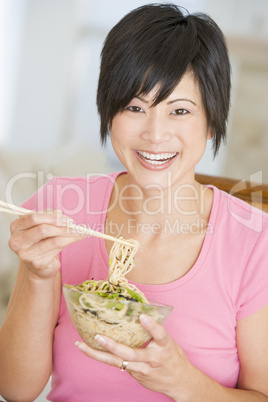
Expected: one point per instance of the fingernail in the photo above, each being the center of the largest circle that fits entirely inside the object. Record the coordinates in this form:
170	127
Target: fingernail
145	320
81	346
101	341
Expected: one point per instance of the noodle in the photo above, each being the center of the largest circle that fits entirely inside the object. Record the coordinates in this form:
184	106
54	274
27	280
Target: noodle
121	262
104	306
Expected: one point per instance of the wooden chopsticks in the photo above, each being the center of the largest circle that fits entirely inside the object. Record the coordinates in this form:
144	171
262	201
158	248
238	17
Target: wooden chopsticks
82	229
13	209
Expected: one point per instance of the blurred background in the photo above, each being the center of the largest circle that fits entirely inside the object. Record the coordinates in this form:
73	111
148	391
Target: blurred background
49	64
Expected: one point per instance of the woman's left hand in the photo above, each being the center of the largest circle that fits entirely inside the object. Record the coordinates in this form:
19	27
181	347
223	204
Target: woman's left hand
161	366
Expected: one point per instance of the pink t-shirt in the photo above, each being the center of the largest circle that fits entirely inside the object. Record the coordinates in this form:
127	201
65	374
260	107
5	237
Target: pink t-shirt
228	282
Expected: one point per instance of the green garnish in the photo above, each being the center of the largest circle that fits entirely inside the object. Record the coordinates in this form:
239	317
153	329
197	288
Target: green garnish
135	295
108	295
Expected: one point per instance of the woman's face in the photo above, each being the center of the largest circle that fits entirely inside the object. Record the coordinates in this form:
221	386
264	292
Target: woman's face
161	145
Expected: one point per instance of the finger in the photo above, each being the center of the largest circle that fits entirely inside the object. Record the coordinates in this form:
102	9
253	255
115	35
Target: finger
101	356
42	258
61	219
56	218
140	358
44	266
34	235
125	352
47	248
120	362
157	331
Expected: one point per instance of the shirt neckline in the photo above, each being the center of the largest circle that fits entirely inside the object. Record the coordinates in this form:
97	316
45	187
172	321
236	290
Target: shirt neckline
104	258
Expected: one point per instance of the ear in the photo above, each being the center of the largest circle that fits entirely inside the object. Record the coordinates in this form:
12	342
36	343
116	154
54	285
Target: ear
210	133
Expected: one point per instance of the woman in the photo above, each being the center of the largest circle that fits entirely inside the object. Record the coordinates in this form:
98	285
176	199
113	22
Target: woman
163	92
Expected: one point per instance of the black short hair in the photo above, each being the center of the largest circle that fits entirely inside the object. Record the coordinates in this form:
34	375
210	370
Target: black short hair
157	44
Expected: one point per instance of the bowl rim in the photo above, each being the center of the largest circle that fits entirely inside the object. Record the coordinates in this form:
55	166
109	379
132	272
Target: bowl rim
153	303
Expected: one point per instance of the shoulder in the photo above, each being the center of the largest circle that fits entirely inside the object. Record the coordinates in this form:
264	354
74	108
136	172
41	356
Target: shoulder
67	193
240	235
237	215
81	181
239	247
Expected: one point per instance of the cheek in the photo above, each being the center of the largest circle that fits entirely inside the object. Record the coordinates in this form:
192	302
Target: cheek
194	141
123	135
116	135
118	141
118	129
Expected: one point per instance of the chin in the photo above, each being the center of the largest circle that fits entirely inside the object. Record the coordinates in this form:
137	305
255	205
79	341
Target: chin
148	179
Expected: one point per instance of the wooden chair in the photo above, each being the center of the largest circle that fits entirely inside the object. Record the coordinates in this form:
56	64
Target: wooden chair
253	193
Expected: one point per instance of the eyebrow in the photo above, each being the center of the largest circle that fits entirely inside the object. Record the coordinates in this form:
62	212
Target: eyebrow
181	99
170	102
140	98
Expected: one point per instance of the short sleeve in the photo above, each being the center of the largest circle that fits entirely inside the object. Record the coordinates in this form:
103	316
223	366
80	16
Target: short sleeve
253	292
44	198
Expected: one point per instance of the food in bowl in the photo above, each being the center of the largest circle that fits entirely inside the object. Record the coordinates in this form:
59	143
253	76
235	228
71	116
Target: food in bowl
113	316
112	307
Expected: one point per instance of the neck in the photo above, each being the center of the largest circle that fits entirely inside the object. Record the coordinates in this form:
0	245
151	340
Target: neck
185	201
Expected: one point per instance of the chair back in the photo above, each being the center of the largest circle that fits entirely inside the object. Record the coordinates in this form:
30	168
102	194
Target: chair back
253	193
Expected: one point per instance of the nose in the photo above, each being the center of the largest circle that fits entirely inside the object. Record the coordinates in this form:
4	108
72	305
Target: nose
156	130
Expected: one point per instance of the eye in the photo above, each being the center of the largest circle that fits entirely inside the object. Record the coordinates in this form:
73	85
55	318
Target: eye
180	111
134	109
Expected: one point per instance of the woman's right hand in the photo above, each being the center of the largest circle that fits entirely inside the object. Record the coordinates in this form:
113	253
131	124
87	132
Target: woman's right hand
38	238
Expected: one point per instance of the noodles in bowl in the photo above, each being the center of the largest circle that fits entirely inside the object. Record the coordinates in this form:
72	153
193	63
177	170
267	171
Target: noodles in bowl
112	307
119	319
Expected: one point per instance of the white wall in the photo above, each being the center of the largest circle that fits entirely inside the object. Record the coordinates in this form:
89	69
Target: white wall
53	73
47	40
12	17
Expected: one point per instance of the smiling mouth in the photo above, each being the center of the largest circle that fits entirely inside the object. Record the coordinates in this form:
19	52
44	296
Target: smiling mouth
157	159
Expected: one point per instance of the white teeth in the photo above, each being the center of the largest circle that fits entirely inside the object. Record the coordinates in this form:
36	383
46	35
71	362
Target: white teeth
156	162
156	159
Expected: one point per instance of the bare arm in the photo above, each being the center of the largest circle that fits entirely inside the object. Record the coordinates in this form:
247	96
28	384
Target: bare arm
26	337
252	343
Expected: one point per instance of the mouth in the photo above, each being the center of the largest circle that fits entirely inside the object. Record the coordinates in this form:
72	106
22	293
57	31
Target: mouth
157	159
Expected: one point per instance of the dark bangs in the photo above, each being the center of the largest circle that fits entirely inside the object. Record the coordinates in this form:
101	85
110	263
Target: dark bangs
153	46
156	50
